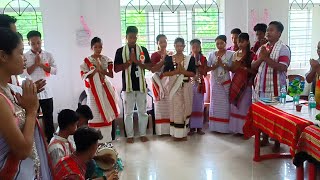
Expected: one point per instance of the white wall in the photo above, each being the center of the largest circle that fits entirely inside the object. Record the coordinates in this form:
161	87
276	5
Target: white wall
236	16
61	20
278	11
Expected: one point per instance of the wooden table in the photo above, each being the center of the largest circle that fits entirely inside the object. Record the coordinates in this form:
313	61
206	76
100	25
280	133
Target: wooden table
279	123
308	149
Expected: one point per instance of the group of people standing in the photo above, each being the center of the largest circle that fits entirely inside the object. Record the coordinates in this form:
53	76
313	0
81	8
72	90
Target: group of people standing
238	73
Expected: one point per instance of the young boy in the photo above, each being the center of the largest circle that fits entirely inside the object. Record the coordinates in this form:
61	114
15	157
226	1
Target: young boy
59	146
132	60
74	166
273	58
234	37
40	65
260	30
85	115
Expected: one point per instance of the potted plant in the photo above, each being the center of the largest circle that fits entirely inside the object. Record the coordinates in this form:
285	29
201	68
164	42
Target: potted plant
296	87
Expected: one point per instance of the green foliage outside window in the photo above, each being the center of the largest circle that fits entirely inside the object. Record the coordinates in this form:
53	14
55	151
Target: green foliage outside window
132	18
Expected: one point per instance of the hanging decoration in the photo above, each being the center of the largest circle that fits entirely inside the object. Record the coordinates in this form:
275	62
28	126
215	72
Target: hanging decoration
266	16
83	35
85	26
253	21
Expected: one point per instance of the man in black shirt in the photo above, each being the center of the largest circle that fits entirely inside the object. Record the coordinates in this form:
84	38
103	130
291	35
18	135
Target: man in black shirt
132	60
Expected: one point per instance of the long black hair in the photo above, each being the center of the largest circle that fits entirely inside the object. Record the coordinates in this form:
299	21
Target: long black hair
95	40
179	39
9	40
6	20
158	38
247	58
196	41
221	37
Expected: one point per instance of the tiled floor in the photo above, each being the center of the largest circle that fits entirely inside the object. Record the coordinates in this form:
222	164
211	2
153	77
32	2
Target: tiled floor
209	157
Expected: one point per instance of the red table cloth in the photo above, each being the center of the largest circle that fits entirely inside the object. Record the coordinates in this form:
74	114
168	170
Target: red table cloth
279	125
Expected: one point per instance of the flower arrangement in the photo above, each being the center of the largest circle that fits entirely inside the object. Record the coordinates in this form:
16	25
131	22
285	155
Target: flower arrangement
296	87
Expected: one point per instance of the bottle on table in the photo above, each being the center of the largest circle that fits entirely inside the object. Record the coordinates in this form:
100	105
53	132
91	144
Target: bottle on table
312	104
283	95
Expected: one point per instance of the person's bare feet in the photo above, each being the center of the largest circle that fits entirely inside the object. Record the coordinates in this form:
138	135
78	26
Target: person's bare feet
180	139
165	135
190	133
130	140
144	139
276	147
200	132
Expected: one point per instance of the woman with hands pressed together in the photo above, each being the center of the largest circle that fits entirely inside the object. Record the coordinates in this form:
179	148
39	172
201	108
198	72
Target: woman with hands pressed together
160	87
102	98
22	147
179	68
219	63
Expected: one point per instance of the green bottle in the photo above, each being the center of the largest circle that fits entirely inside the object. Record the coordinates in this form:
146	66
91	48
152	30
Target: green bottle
118	133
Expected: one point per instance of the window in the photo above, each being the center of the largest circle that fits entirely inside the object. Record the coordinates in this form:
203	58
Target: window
175	18
300	32
28	16
205	22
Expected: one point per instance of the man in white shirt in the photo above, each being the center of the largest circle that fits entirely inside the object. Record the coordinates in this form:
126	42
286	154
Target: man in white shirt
60	146
40	65
9	22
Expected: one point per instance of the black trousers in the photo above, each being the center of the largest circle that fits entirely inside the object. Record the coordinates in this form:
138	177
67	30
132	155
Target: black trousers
47	111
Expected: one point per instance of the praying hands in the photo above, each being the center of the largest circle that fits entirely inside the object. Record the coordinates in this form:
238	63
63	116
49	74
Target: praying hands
264	53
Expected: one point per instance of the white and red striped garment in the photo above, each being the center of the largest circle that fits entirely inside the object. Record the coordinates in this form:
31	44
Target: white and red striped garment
160	88
102	97
219	111
269	81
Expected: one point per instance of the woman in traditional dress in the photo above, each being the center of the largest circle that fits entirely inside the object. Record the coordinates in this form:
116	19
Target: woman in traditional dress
160	87
23	153
219	63
241	85
179	68
102	97
199	88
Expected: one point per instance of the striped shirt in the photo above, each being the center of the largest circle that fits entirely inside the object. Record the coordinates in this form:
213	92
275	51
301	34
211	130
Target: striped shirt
59	147
284	58
70	167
